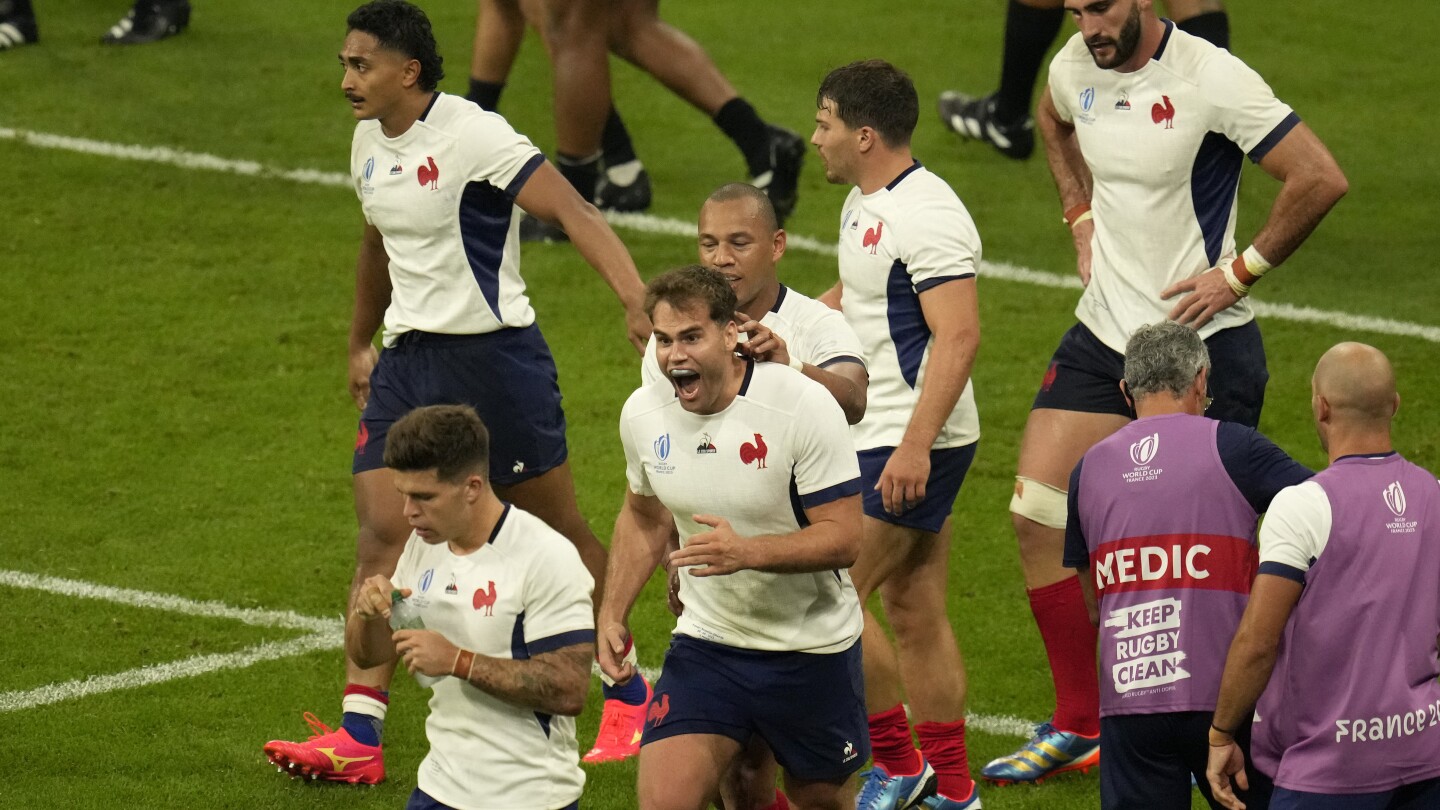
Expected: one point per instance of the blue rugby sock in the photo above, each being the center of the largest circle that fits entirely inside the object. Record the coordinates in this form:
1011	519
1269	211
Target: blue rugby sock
631	694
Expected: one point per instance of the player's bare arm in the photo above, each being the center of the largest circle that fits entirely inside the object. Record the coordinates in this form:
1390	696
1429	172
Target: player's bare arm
1072	178
952	313
549	196
554	682
831	541
1247	670
642	531
372	296
847	382
1311	184
367	633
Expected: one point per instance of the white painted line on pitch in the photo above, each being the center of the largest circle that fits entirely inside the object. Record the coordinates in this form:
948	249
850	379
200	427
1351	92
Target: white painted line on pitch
160	601
160	673
647	223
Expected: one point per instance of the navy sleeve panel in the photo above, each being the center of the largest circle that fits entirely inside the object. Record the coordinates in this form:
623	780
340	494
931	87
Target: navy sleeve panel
1279	569
1258	468
1077	553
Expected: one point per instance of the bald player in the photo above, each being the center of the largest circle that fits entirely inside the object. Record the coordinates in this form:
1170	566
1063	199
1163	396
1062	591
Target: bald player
1343	618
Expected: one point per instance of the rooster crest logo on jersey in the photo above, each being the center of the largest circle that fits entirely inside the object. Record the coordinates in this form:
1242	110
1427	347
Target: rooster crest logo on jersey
429	174
1143	451
484	600
872	237
1395	499
754	452
1163	113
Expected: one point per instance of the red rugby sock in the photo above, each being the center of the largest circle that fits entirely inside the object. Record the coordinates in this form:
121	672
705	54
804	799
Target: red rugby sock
944	746
890	743
1070	645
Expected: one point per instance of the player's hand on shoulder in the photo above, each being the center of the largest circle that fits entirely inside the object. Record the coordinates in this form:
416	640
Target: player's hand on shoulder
1204	296
902	482
373	600
762	343
362	362
610	645
426	652
714	553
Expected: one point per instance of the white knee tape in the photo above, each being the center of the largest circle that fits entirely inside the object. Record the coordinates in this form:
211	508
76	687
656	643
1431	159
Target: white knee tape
1039	502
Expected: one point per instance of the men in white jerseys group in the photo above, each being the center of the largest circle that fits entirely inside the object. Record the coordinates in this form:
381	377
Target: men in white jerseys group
1146	129
753	465
908	257
441	184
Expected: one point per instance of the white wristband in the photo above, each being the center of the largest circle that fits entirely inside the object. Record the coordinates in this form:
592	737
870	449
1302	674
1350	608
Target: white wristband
796	364
1256	264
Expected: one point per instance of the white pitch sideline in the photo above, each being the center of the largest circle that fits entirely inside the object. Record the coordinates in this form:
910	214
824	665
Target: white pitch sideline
325	634
647	223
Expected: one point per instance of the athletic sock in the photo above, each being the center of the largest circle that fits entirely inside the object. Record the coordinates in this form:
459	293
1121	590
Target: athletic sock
741	124
1211	26
890	743
615	140
1029	32
631	693
944	747
1070	645
364	713
582	172
486	94
18	8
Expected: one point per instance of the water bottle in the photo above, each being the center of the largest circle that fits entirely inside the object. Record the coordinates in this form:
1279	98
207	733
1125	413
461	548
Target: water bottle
405	616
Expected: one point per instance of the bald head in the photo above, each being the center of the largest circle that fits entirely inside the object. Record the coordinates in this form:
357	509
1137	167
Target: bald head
1357	383
762	209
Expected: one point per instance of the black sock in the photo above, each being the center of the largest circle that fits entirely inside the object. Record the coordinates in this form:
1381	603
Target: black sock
486	94
615	141
16	8
741	124
583	173
1028	35
1212	26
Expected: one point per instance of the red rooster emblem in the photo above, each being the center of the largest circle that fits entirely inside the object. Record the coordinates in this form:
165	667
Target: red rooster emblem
430	174
754	452
362	437
658	710
485	600
872	237
1163	113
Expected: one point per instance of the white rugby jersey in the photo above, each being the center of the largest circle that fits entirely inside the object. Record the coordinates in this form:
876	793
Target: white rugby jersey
523	593
894	244
813	333
1165	145
442	195
781	446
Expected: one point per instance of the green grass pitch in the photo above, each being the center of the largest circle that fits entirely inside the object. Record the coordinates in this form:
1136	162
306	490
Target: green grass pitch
174	414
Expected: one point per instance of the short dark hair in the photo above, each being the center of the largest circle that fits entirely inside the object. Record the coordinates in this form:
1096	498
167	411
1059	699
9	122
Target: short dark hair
689	285
402	27
449	439
873	93
744	191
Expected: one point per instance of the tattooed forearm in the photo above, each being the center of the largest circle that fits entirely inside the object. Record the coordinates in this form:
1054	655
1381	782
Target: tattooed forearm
553	682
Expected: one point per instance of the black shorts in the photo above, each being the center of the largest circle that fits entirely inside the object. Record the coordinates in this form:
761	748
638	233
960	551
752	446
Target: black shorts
809	707
1149	758
1084	375
947	472
509	378
1419	796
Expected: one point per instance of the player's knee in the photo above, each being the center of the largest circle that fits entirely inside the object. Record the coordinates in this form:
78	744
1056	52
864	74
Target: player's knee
1036	502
